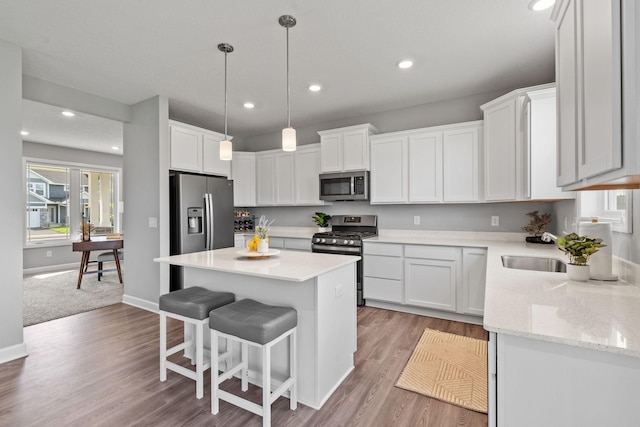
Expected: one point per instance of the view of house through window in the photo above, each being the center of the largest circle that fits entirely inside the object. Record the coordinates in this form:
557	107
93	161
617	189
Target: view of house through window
59	197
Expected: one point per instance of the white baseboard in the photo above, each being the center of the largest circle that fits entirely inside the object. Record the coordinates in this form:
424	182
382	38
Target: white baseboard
51	268
140	303
425	312
14	352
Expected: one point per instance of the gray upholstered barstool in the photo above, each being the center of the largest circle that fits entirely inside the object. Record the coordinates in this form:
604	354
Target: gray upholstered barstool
252	323
192	306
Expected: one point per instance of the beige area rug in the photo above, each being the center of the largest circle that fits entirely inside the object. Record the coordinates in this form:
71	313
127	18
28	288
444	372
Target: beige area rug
448	367
53	295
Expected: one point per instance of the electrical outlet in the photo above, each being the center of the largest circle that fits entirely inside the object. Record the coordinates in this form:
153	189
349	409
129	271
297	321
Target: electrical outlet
49	253
416	220
153	222
495	221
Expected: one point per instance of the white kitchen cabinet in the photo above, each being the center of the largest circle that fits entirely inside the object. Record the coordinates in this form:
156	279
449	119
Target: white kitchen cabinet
461	164
542	383
283	178
243	173
520	146
288	178
345	149
383	272
429	165
432	274
307	172
596	56
501	122
474	272
265	187
194	149
297	244
239	241
389	178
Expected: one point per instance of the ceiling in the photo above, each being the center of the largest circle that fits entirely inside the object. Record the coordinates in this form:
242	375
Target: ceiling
131	51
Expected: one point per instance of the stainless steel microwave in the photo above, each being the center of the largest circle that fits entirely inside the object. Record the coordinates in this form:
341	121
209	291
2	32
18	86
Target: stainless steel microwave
344	186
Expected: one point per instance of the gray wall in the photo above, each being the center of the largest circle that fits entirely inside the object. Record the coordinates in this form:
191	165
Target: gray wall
12	213
35	257
437	113
458	217
145	138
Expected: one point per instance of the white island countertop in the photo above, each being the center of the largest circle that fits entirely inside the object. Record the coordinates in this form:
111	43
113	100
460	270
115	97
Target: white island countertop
547	306
294	266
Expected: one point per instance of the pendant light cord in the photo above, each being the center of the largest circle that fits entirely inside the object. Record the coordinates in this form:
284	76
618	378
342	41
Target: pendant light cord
225	95
288	86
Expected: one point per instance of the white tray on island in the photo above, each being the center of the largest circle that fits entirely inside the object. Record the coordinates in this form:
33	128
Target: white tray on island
255	254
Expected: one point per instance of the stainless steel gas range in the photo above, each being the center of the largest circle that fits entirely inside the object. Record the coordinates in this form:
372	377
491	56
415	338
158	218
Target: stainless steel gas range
345	238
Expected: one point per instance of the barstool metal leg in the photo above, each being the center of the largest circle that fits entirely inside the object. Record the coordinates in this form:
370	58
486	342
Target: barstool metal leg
245	366
215	401
163	346
266	385
199	330
293	370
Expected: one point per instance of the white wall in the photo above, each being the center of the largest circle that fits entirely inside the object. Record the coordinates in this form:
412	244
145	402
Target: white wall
12	214
146	148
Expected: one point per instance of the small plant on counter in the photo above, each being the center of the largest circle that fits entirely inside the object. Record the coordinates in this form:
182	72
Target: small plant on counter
321	219
578	248
537	226
263	227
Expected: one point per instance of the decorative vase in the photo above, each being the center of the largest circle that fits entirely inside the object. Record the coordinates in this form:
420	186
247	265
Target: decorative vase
578	272
323	229
263	246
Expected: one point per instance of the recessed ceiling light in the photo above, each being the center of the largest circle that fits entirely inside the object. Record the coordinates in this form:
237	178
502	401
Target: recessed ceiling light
538	5
68	113
405	63
24	133
249	105
115	148
315	87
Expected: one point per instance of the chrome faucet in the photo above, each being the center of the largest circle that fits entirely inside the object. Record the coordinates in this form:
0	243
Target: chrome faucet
547	237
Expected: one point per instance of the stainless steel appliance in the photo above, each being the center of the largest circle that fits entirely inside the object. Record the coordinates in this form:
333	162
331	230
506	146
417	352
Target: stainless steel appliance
345	238
344	186
201	216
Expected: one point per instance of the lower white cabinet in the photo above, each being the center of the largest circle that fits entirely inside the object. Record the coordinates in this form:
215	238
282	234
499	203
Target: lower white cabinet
431	278
474	271
444	278
295	244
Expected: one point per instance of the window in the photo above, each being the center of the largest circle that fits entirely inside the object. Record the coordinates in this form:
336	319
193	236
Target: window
610	205
60	196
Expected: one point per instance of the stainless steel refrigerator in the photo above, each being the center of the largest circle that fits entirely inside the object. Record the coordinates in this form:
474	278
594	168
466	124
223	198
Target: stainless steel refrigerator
201	216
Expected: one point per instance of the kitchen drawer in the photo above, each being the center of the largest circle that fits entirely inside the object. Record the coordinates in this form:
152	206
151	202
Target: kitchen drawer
432	252
387	249
383	267
298	244
382	289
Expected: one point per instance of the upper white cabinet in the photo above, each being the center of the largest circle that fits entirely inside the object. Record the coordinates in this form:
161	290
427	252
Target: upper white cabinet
194	149
429	165
243	173
597	54
288	178
520	146
345	149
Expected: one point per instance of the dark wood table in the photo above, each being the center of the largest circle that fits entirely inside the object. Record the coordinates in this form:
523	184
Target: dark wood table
97	245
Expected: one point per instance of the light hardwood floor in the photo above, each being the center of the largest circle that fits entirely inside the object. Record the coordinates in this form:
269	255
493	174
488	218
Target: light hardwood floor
101	369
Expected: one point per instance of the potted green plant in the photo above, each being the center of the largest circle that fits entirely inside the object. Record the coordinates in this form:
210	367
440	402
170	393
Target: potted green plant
578	249
537	226
322	220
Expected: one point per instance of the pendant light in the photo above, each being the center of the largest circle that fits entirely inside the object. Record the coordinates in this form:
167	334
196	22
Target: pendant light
288	133
226	150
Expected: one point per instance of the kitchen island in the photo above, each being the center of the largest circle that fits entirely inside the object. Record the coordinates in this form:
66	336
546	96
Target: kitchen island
321	287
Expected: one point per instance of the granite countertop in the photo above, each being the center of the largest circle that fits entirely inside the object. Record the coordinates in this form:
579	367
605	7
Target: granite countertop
294	266
547	306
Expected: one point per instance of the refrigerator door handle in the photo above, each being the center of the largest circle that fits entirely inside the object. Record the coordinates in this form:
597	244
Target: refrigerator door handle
211	229
207	216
